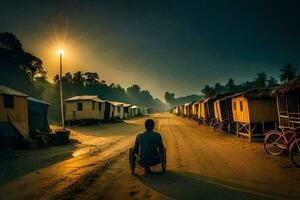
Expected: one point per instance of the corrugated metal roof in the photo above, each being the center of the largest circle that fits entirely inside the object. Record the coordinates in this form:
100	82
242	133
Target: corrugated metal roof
85	97
37	100
115	103
127	105
9	91
255	94
289	87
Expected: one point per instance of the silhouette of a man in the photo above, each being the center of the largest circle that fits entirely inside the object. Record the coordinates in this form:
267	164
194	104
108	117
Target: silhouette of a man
149	147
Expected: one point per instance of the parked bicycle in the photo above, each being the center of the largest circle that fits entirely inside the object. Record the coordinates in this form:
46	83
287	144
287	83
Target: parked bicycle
224	127
276	142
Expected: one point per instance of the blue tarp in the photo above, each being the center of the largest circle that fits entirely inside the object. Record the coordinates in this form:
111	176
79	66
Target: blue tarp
38	115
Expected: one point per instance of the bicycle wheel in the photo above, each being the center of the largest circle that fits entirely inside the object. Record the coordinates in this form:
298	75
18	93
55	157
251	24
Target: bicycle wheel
224	127
216	127
295	152
274	143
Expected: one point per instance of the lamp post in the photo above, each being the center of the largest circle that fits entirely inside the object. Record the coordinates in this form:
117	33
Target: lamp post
60	52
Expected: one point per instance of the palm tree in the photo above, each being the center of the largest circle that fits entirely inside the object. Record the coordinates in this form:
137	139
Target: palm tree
208	91
272	82
288	72
230	85
261	80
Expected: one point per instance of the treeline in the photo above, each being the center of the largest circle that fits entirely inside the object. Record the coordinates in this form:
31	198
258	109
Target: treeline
172	101
25	72
262	80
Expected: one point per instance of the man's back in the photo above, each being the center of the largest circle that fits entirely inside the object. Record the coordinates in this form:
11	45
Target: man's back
150	148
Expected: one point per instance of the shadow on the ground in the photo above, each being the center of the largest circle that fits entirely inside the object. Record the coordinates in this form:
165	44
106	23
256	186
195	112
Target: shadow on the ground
193	186
15	164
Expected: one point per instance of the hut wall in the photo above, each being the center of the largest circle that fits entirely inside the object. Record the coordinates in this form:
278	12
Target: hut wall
217	110
87	111
101	105
202	110
118	111
225	109
209	110
18	115
240	109
263	110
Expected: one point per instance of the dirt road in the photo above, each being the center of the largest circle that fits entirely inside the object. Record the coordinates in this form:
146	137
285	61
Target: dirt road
201	165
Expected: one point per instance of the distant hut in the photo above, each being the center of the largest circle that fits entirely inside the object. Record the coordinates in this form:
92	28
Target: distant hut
201	111
223	112
195	110
85	107
181	110
134	111
207	111
288	104
140	111
38	115
252	109
13	115
186	109
147	111
117	110
190	110
127	110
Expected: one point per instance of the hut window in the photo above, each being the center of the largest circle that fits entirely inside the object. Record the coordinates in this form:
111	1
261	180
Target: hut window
99	108
241	106
8	101
119	109
234	105
93	106
79	106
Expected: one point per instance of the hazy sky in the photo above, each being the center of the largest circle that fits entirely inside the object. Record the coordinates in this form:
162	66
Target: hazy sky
176	46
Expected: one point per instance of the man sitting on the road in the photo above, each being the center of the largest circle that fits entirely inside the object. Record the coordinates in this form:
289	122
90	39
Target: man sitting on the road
149	147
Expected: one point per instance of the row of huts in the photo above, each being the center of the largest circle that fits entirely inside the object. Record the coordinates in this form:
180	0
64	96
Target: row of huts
251	113
91	107
23	117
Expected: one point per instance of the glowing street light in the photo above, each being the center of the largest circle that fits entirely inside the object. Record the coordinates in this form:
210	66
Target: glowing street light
60	53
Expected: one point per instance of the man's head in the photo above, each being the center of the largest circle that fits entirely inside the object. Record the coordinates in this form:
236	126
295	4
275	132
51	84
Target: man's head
149	125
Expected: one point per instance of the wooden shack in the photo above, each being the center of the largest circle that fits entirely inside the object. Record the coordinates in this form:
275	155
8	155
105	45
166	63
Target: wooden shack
191	110
181	110
117	109
288	104
201	111
186	109
252	109
127	110
207	111
223	113
195	110
85	107
13	114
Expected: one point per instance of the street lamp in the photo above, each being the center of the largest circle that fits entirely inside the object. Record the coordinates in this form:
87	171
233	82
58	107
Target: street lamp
60	52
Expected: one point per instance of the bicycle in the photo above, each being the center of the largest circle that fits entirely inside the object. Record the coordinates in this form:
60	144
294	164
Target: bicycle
275	142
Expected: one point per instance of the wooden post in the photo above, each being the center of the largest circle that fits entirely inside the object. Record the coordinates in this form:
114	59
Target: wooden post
250	133
237	129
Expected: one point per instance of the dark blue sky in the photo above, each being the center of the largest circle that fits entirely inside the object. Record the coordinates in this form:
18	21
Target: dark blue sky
177	46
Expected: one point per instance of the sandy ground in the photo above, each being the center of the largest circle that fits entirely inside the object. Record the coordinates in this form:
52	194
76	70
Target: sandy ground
201	165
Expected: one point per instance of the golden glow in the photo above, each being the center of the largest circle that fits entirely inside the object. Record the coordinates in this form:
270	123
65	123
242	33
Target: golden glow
60	52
